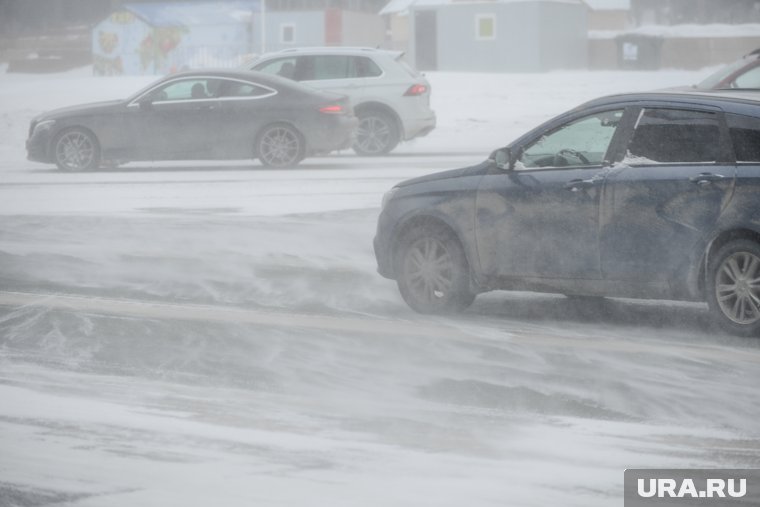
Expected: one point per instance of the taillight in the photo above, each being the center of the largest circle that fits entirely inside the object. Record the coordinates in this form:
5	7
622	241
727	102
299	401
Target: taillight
416	89
332	109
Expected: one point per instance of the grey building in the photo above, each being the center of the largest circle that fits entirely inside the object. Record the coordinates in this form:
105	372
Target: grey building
495	35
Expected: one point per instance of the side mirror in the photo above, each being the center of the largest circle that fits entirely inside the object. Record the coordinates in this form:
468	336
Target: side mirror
503	159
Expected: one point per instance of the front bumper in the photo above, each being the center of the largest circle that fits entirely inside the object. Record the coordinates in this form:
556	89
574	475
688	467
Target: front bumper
383	246
37	146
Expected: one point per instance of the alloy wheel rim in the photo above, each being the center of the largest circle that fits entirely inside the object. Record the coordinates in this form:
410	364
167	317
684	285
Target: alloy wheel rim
429	270
373	134
75	150
737	288
279	147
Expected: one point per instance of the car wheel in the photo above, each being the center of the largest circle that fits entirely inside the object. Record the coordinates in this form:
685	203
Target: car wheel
377	133
76	150
733	287
432	271
280	146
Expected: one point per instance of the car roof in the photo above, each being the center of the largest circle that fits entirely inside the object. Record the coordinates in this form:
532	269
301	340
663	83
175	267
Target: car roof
731	100
247	75
336	50
280	83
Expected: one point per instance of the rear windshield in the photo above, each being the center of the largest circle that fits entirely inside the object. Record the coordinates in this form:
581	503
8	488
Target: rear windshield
713	79
408	68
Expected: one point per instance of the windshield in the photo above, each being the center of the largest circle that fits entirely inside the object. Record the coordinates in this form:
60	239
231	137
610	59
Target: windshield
713	79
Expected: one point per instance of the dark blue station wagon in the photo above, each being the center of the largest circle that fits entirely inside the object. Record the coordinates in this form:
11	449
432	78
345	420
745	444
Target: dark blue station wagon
652	195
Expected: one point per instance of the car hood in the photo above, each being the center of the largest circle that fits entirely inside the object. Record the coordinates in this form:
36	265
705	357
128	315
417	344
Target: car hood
84	109
474	170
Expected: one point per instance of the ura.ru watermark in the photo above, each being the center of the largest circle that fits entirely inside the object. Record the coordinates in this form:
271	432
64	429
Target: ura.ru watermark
703	487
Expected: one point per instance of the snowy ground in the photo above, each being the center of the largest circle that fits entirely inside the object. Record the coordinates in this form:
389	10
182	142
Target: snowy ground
215	334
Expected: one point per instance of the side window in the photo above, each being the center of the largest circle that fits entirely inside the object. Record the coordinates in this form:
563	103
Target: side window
284	67
750	79
187	89
330	67
582	142
364	67
745	137
671	136
243	89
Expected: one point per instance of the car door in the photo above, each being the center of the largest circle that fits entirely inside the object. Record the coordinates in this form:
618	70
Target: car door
180	119
245	108
669	190
542	218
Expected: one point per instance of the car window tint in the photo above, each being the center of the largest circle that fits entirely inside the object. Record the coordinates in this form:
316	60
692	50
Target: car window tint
364	67
329	67
187	89
284	67
674	136
581	142
750	79
745	137
243	89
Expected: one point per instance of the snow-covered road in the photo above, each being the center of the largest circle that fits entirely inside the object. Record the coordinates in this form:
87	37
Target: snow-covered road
216	334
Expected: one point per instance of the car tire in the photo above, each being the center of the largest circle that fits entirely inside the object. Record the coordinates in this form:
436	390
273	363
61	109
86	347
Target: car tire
280	145
733	287
377	133
76	149
433	275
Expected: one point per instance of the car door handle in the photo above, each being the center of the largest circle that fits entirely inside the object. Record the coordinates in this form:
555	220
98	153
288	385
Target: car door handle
703	179
576	185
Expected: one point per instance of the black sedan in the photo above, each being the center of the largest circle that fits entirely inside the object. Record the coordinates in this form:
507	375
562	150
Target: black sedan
643	195
208	115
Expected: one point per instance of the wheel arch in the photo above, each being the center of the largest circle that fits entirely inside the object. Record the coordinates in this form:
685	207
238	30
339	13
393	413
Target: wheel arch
385	108
425	220
286	123
273	123
54	138
716	244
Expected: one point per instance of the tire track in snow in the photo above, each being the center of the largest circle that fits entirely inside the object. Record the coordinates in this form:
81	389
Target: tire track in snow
225	314
368	325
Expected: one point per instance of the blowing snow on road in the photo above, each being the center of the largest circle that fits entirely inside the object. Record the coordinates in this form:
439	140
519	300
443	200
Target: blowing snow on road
216	334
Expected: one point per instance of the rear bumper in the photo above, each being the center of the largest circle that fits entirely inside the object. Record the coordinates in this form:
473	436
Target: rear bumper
419	127
336	134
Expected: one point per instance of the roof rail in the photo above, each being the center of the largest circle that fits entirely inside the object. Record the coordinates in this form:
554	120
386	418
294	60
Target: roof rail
330	48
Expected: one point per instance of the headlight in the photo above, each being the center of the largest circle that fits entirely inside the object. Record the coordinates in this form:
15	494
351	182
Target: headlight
43	125
387	196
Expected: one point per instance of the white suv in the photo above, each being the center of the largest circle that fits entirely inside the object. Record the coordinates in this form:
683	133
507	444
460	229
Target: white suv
391	100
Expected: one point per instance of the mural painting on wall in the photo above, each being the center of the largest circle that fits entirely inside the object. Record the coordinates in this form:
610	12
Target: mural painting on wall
161	39
107	60
155	48
125	44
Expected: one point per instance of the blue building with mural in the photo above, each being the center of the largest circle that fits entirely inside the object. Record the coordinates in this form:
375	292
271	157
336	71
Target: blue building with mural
161	38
